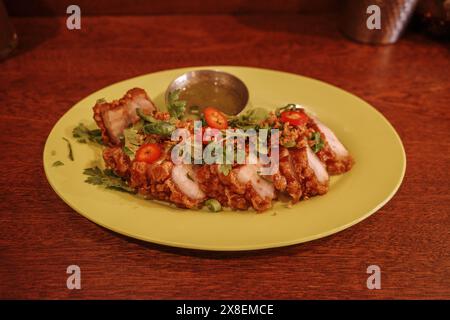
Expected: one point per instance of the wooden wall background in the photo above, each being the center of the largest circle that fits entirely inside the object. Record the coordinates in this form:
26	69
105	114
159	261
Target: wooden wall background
144	7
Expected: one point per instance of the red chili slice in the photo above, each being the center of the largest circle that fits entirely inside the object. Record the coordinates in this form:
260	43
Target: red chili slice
215	119
296	118
149	152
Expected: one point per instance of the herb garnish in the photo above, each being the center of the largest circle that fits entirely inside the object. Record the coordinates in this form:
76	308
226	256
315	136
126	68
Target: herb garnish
176	106
154	126
83	134
213	205
69	145
132	140
57	164
249	119
289	144
106	178
318	142
288	107
225	169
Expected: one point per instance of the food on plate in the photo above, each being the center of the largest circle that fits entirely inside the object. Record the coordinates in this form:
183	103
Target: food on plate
138	149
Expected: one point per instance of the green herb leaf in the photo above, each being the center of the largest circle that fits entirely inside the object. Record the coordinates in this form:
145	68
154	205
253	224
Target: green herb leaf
101	100
318	142
145	117
106	178
289	106
161	128
225	169
249	119
69	145
57	164
154	126
132	140
289	144
213	205
176	107
83	134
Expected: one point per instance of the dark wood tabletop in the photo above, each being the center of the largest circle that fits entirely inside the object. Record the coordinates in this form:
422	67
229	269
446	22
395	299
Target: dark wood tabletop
55	67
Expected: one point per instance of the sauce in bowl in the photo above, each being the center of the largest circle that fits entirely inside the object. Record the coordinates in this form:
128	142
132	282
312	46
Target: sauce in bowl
208	88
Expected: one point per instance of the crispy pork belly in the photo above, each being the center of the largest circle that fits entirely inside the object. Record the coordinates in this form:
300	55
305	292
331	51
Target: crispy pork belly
335	156
117	160
112	118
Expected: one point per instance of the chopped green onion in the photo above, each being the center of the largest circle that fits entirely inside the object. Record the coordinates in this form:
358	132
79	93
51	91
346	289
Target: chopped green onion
213	205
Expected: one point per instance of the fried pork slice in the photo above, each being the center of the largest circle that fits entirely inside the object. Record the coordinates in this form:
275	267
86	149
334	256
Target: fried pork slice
168	182
117	160
259	191
310	171
224	188
335	156
293	182
185	179
112	118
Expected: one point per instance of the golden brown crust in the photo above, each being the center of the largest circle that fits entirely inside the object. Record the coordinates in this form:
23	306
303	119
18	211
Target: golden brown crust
310	184
118	161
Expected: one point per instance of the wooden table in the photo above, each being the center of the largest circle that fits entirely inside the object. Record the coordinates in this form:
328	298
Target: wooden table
54	68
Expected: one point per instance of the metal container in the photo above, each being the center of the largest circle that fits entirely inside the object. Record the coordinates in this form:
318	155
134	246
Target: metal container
8	36
394	16
218	81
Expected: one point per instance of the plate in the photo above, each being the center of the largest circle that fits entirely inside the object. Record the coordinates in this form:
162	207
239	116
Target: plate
352	197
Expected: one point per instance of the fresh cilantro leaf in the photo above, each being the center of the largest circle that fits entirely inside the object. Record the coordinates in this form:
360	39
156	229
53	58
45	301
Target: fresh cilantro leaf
161	128
83	134
289	144
176	106
128	152
249	119
318	142
289	106
57	164
225	169
106	178
154	126
132	140
69	145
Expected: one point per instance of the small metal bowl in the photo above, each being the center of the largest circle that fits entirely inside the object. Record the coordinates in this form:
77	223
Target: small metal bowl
224	91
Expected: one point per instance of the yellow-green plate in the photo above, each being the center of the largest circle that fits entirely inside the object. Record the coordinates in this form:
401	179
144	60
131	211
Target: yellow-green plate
376	176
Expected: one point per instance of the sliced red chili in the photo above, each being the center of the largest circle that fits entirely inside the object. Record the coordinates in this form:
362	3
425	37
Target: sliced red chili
215	119
296	118
149	152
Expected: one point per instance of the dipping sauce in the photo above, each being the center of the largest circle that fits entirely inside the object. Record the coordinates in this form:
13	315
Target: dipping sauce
200	95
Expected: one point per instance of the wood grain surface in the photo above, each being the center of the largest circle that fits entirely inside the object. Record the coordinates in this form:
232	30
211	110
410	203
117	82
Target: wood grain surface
54	68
